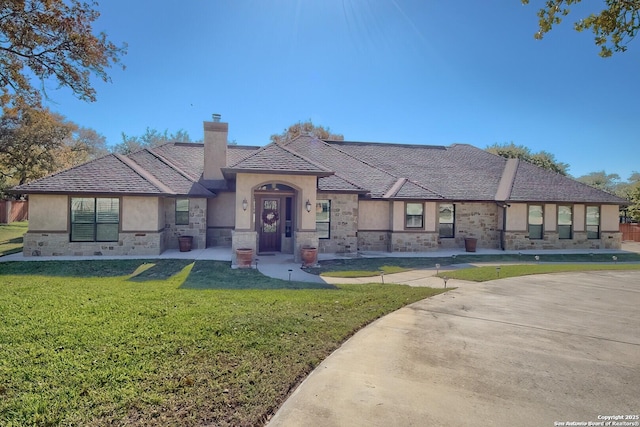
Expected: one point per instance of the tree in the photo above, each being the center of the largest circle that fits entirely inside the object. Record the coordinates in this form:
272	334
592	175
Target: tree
51	39
602	181
29	140
151	138
613	27
305	128
82	145
542	159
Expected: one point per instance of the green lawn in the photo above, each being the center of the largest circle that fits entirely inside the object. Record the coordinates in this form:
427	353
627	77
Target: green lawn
366	267
163	343
482	274
11	237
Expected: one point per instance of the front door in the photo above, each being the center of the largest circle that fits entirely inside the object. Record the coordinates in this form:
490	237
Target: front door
269	225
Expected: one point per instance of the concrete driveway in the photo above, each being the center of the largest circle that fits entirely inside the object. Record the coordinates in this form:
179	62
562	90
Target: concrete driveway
528	351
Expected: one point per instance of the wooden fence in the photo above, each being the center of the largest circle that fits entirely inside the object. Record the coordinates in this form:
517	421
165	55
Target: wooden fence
630	232
13	210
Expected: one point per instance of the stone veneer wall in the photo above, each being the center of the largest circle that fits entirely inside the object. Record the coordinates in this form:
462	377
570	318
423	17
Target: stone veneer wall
412	241
374	241
219	236
478	220
343	234
243	240
302	239
517	241
58	244
197	226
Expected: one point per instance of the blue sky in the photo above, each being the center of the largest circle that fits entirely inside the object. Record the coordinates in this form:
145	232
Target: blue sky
406	71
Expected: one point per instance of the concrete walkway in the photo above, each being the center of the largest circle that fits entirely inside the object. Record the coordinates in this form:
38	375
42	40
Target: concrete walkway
526	351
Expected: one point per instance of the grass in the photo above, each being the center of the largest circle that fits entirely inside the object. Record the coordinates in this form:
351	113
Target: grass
387	269
368	267
483	274
164	342
11	237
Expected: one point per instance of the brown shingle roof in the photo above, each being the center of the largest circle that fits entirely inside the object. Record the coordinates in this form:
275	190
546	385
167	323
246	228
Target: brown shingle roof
174	178
106	175
274	158
353	170
457	172
533	184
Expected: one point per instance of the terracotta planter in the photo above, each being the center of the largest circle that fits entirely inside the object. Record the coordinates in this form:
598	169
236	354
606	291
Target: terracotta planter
185	243
309	256
244	257
470	244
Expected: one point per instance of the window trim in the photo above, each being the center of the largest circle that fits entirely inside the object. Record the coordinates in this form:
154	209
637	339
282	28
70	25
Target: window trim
176	211
323	221
558	225
529	222
587	225
453	221
95	222
406	216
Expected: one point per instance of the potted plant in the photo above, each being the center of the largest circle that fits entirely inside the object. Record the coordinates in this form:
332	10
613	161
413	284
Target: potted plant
244	256
309	256
185	243
470	244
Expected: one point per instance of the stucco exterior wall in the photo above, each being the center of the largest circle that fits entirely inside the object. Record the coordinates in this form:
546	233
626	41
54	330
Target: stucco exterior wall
48	212
304	184
141	214
610	218
579	218
344	224
397	215
550	217
373	215
221	210
517	217
220	219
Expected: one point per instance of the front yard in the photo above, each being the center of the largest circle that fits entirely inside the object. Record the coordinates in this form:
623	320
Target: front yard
11	237
129	342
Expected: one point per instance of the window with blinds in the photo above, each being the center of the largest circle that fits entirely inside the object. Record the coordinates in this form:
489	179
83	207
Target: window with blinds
95	219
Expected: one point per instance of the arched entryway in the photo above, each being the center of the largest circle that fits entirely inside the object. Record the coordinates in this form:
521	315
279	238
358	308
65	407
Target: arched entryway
275	217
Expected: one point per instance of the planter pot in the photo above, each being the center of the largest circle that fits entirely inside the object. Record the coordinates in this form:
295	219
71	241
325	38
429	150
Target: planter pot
309	256
470	244
244	257
185	243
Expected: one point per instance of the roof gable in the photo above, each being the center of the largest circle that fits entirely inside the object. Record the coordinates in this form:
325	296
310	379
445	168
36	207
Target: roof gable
534	184
274	158
107	175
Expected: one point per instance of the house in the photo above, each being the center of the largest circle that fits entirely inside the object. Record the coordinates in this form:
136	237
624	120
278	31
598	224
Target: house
341	197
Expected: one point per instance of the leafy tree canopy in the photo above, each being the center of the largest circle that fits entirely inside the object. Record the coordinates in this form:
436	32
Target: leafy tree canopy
542	159
612	183
51	39
601	180
305	128
613	27
36	142
151	138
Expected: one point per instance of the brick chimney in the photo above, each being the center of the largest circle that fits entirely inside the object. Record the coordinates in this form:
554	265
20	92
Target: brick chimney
215	148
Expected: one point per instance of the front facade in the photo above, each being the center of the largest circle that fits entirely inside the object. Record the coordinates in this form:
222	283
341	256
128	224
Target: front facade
341	197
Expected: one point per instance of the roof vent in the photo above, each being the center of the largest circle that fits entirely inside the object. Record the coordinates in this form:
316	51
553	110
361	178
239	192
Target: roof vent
216	117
